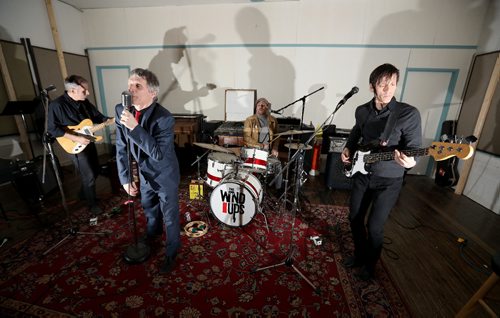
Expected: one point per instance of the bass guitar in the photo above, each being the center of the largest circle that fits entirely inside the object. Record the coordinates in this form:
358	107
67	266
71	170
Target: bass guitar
85	129
438	150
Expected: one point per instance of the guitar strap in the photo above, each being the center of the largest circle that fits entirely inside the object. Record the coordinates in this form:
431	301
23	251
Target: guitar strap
389	125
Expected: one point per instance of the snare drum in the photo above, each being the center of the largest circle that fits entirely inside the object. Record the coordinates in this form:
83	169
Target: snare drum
219	165
254	158
237	198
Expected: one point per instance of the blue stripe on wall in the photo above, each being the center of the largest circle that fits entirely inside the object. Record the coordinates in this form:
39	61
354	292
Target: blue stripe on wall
296	45
100	84
447	102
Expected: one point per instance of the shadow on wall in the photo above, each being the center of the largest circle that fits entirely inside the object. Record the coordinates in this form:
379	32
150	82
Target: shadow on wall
428	90
272	75
178	78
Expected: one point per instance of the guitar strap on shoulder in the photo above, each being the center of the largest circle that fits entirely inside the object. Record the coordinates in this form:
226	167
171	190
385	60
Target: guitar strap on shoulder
389	125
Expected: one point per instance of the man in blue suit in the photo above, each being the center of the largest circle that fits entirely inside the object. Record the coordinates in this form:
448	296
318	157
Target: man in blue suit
148	128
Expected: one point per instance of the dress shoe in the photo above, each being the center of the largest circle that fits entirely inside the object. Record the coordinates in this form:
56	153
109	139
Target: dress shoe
168	264
352	262
365	273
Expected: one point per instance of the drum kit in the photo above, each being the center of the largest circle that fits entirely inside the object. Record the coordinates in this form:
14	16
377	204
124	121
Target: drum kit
238	178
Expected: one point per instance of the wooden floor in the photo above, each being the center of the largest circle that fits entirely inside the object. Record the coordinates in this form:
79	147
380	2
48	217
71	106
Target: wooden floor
433	271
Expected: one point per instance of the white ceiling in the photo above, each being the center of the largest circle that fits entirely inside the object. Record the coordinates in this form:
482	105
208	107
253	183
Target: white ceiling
100	4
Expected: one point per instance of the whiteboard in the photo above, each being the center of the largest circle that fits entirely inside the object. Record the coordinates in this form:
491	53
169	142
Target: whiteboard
239	104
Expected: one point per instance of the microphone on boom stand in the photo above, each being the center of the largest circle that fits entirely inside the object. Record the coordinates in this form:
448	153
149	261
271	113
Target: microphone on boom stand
137	252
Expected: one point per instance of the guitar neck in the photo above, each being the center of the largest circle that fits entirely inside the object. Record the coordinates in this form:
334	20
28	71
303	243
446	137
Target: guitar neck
384	156
97	127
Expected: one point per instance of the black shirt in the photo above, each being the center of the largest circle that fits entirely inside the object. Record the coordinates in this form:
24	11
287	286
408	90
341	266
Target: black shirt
65	111
370	125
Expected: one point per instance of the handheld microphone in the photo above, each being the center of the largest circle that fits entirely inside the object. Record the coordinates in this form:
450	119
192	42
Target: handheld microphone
353	91
127	100
48	89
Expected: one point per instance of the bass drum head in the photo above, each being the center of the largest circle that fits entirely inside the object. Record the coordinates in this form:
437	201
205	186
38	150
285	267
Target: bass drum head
232	203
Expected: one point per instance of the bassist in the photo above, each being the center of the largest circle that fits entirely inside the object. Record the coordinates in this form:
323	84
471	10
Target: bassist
70	109
391	124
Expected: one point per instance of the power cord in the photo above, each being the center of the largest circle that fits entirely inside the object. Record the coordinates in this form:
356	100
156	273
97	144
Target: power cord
461	240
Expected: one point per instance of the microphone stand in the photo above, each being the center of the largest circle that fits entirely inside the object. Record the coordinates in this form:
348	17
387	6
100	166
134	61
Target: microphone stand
298	158
139	251
48	140
303	99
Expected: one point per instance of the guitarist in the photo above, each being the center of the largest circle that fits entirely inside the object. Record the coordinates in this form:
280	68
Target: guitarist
70	109
374	194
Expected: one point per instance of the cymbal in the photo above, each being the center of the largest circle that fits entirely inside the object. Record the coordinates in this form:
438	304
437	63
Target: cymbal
212	147
294	132
298	146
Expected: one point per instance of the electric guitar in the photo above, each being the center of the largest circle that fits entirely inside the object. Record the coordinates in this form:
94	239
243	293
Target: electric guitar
85	129
438	150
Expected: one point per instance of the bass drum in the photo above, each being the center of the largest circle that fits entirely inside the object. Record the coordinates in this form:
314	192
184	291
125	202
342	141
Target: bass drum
237	198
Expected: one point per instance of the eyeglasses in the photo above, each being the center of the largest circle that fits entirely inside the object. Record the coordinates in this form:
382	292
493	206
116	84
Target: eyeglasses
85	90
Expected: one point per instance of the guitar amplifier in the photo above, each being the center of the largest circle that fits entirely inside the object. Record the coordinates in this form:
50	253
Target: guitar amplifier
334	173
27	179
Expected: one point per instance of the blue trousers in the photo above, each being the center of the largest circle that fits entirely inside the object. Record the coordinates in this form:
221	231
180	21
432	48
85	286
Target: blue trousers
372	199
162	209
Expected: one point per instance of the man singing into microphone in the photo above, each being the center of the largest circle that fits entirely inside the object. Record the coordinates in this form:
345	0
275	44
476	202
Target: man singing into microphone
392	126
149	130
70	109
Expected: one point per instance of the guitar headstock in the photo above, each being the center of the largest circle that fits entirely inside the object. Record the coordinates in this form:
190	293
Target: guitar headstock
445	150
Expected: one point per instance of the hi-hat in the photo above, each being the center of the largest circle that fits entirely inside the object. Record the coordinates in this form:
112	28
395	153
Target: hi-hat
294	132
296	146
212	147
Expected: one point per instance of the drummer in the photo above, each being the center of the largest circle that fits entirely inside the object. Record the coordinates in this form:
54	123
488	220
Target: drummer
260	128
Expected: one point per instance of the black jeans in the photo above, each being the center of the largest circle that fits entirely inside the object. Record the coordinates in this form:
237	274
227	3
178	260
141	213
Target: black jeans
87	164
381	194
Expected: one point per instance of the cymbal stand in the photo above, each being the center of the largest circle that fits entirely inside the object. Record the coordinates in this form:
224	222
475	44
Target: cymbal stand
198	179
284	195
299	158
47	140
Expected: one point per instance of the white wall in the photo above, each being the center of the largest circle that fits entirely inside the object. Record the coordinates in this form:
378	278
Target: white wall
29	19
305	44
287	50
283	49
483	184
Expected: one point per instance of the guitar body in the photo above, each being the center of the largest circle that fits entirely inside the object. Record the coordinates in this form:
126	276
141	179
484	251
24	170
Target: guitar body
86	129
357	165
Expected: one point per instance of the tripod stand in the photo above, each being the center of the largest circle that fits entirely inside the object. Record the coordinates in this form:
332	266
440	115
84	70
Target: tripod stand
48	140
299	158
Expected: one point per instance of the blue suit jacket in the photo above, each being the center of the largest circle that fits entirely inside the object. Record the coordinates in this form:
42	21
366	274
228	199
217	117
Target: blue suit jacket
152	146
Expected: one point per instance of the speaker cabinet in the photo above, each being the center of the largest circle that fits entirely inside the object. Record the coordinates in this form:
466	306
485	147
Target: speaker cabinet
334	173
28	179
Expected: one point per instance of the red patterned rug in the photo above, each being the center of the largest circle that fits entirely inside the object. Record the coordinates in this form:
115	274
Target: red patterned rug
222	273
